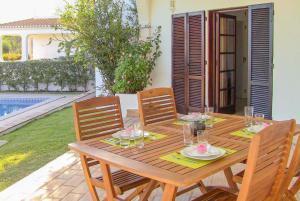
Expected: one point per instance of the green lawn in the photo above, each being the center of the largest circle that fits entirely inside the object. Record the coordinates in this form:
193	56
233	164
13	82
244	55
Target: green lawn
35	144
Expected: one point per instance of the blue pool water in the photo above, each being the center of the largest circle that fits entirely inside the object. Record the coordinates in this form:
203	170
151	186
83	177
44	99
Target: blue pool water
9	105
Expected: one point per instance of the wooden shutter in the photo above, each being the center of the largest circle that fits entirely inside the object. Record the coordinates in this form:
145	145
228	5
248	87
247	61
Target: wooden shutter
188	61
196	61
261	58
178	61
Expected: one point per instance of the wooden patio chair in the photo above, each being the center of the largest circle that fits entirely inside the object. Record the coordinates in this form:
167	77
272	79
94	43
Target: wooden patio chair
156	105
94	118
293	169
292	172
265	170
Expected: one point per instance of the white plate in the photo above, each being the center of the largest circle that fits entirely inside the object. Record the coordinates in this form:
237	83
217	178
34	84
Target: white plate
193	117
255	128
213	153
117	134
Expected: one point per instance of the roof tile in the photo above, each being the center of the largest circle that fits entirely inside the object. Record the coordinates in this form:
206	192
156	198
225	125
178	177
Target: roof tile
32	22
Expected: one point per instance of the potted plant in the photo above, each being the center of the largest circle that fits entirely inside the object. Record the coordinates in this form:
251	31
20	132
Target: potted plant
134	70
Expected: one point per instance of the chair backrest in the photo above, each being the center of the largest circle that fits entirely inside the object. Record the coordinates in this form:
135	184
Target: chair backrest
97	117
293	170
156	105
266	163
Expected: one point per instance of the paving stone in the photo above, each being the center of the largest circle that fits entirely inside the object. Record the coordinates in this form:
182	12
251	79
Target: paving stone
82	188
61	192
54	184
40	194
50	199
72	197
68	174
86	197
74	181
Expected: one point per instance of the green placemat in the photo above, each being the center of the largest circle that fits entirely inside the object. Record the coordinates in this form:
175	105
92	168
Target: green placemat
116	142
179	159
218	120
181	122
243	133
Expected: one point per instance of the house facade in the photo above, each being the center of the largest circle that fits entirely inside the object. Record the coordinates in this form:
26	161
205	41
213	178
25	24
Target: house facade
35	35
221	39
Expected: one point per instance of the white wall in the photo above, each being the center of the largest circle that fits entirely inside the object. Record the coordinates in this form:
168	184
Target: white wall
286	98
41	35
41	49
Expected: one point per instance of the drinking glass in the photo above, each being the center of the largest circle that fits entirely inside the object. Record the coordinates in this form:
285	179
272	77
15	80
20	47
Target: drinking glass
202	137
249	115
198	125
125	139
209	121
188	134
139	135
259	119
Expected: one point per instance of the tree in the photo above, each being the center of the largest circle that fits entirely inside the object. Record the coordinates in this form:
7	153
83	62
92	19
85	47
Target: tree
102	30
11	44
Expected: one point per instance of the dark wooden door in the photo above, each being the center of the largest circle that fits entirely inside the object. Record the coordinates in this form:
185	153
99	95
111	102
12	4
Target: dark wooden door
260	53
188	61
225	63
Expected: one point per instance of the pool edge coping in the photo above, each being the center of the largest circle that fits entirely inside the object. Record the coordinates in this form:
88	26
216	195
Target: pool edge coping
48	100
65	102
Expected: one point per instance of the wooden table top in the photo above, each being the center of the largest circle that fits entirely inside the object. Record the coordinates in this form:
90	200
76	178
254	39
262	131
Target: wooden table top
146	162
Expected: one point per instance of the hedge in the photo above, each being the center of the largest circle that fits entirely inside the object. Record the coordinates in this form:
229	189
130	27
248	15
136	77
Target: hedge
21	76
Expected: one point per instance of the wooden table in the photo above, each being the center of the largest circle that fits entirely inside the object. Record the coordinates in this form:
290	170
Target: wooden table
146	162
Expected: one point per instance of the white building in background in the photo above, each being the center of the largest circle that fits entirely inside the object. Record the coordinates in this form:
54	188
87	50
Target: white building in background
35	34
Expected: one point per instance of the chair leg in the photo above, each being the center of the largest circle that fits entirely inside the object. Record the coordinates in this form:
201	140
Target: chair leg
162	186
108	182
295	188
87	175
202	187
148	190
138	191
229	176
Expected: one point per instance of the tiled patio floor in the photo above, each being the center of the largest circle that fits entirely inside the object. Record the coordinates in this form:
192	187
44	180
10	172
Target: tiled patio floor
62	179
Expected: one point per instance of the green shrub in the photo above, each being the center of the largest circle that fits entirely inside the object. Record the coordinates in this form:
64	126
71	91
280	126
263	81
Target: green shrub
136	64
62	72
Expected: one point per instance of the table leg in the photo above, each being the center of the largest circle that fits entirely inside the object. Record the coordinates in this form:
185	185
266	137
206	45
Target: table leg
87	175
108	183
229	176
169	192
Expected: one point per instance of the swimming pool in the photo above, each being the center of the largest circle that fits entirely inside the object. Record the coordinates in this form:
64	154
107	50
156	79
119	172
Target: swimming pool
9	105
